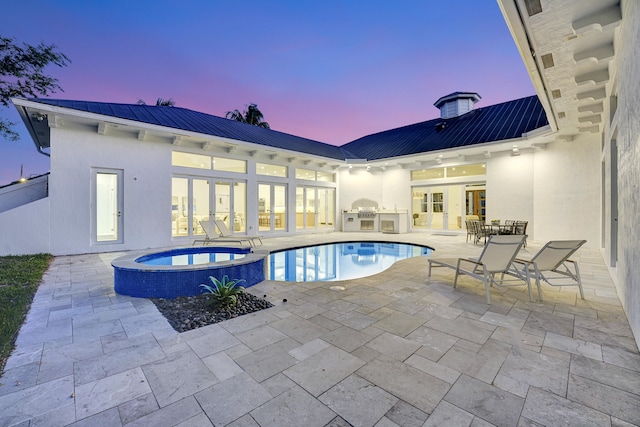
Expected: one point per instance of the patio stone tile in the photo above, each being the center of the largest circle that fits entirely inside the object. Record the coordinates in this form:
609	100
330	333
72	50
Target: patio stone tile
34	401
171	415
200	420
406	415
248	321
324	322
549	409
448	414
278	384
604	373
137	408
523	368
231	399
434	343
268	361
433	368
93	331
95	368
299	329
109	392
323	370
120	341
107	313
218	339
355	320
178	376
61	416
549	323
604	398
58	360
502	320
472	303
518	338
295	407
462	327
346	338
307	310
222	366
19	378
68	312
108	418
244	421
36	334
599	337
405	382
620	357
357	401
485	401
260	337
373	302
399	323
309	349
393	346
482	365
24	355
145	323
365	353
574	346
341	306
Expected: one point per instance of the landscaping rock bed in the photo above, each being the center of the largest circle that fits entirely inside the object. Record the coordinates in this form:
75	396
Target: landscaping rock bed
186	313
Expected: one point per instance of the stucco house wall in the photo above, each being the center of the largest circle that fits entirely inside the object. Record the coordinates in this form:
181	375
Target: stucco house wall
147	189
625	128
26	229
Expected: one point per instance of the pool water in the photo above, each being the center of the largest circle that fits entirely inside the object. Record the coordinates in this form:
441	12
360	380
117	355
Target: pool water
189	259
338	261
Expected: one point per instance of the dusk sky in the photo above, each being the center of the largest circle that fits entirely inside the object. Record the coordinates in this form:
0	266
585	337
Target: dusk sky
331	71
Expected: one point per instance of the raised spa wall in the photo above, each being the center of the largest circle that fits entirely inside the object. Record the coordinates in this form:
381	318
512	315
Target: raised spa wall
152	281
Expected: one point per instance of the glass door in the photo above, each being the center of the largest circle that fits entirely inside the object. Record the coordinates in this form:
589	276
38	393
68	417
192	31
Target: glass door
438	207
108	206
272	207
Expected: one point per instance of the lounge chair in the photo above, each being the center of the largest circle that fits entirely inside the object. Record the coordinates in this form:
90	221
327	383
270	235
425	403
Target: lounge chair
552	265
497	257
212	237
225	233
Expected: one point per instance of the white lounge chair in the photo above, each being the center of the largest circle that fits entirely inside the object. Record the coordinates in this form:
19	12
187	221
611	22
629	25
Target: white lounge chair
212	237
497	257
225	233
552	265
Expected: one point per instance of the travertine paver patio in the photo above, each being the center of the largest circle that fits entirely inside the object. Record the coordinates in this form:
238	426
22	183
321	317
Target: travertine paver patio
395	349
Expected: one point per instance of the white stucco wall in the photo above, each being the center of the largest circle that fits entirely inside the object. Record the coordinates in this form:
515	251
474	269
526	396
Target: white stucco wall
627	126
567	180
510	189
357	184
147	187
25	229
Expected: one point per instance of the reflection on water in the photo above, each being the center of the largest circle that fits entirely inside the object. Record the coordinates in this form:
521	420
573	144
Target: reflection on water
192	259
338	261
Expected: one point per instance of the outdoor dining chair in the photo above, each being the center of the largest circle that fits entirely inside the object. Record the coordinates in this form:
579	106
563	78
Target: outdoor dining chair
496	259
552	265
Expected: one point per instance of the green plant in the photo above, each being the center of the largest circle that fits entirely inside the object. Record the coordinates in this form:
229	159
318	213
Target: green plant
223	293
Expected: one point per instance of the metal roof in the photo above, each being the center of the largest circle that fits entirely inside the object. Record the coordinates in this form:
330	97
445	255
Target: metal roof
194	121
489	124
499	122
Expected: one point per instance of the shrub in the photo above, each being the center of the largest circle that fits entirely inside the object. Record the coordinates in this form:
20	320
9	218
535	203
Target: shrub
223	293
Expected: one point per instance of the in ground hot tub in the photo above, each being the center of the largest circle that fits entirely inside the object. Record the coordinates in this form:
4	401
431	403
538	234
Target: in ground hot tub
181	271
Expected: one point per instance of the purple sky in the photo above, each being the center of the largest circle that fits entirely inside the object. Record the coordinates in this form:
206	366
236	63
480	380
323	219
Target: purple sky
332	71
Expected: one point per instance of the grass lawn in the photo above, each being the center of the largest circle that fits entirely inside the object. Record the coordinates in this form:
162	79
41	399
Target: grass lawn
19	280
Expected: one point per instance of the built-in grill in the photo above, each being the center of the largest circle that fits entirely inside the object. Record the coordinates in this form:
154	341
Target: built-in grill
366	214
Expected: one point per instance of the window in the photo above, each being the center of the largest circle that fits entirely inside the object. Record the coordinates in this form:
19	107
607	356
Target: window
312	175
229	165
189	160
271	170
476	169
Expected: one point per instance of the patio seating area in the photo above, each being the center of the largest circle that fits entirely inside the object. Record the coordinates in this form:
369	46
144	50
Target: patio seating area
396	349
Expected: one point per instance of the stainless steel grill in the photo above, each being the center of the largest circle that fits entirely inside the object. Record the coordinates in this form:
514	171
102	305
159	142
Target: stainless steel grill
366	214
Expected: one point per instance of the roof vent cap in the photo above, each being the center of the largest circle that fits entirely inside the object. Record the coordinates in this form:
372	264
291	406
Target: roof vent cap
456	104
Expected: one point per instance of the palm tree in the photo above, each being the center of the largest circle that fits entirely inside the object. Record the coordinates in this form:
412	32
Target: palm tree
252	115
161	102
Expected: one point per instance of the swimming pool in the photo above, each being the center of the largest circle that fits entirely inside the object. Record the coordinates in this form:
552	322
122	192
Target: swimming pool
338	261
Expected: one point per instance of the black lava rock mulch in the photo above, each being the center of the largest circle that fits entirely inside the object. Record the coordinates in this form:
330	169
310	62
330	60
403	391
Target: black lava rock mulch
186	313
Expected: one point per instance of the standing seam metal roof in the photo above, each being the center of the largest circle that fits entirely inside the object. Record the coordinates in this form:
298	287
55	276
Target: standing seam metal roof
498	122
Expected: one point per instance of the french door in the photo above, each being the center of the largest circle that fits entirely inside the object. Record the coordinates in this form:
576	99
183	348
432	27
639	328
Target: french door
315	208
438	207
107	206
196	199
272	207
